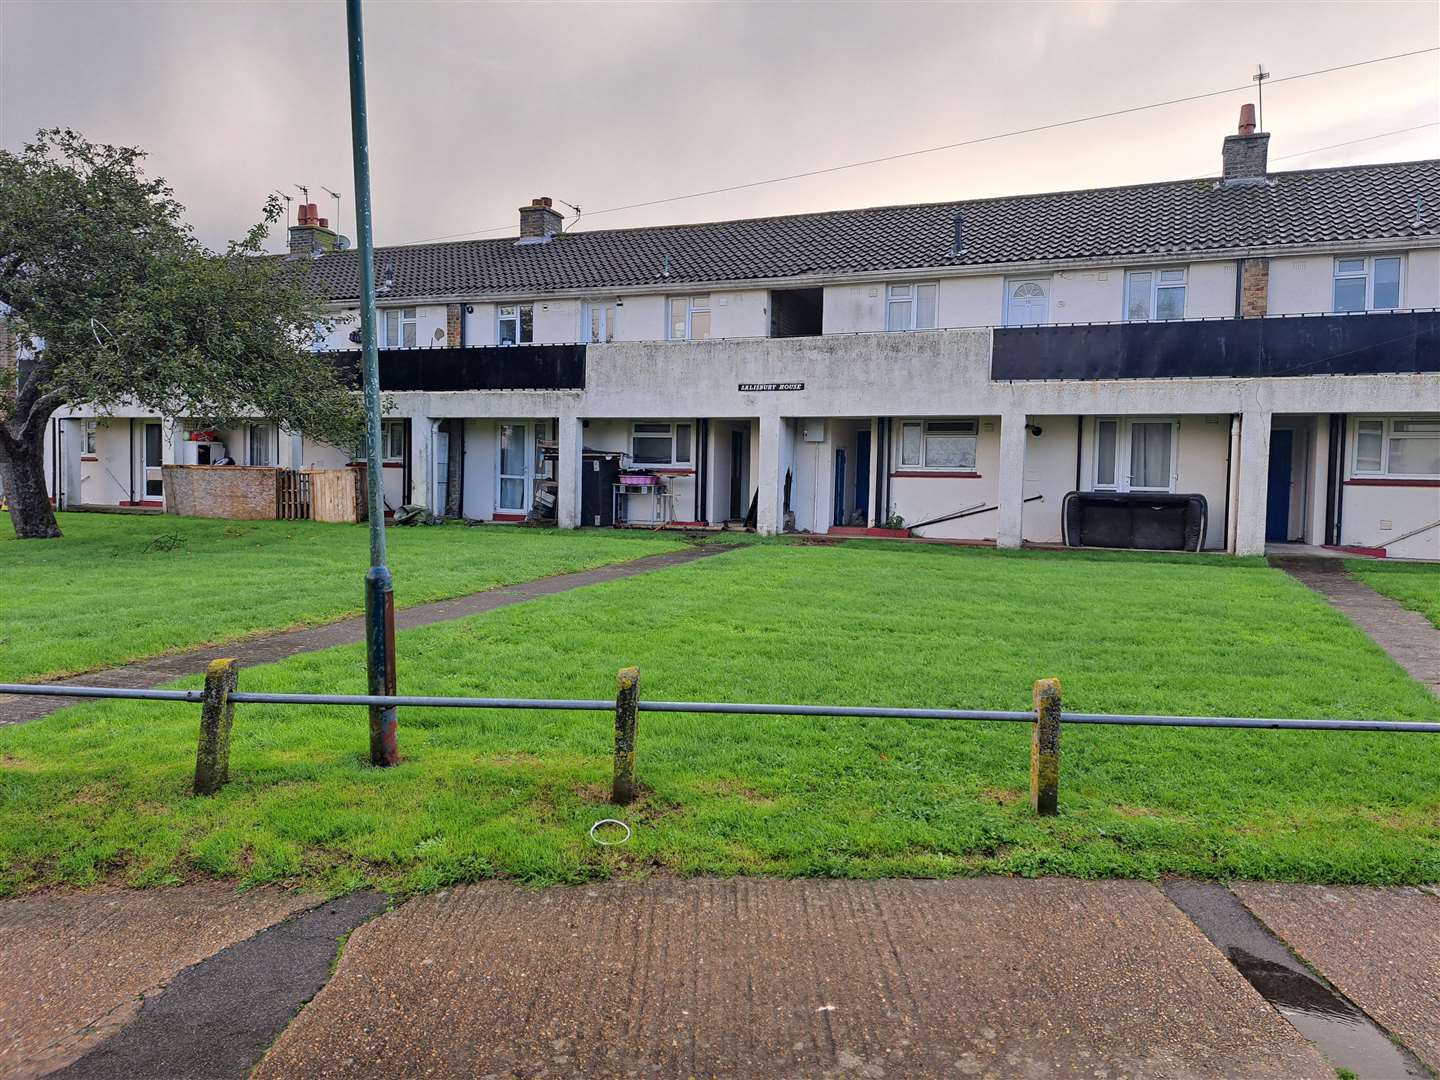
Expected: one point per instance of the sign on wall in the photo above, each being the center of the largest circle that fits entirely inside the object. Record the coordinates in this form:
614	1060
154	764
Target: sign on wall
751	387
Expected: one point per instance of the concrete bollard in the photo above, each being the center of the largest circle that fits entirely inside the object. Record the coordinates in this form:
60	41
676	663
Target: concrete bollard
212	758
1045	749
627	712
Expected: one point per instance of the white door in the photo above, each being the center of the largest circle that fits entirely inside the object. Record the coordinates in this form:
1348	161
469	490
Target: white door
440	469
515	474
1135	455
599	322
1027	301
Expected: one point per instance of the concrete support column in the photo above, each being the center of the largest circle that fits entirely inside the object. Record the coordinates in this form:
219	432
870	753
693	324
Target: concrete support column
1010	526
769	477
569	448
1319	479
877	455
1251	491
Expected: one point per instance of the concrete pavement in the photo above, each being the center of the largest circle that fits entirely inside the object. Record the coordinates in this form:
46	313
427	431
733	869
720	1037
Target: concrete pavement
1000	977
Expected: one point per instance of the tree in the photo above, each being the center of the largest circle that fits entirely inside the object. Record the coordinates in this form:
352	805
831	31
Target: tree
110	300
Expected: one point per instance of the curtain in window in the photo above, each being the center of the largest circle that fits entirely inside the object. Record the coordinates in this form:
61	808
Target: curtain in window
1150	455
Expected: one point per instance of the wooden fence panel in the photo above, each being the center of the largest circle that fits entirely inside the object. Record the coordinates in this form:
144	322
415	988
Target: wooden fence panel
337	494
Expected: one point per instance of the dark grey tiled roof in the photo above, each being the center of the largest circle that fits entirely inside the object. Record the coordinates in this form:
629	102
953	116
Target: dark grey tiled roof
1320	205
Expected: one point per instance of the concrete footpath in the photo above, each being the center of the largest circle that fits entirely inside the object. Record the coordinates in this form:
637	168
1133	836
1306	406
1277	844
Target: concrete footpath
997	977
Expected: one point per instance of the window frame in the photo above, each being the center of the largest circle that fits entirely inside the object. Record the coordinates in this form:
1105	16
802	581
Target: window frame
88	438
1387	434
610	311
926	435
691	309
518	318
405	319
672	432
1124	452
1156	285
912	303
1368	274
267	443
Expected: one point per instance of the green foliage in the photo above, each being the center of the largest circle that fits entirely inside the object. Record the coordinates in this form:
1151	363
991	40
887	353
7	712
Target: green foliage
120	303
119	588
99	791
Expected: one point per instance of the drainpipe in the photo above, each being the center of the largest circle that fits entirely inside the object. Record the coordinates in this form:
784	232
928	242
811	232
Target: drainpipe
1080	449
132	459
1231	457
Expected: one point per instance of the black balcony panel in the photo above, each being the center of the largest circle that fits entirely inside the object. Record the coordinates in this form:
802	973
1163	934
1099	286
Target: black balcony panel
485	367
1400	342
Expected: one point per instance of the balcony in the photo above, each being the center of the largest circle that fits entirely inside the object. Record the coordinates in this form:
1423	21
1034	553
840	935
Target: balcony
492	367
1405	342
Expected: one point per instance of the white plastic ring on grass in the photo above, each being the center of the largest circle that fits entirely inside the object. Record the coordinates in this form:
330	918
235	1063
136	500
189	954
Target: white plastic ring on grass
609	821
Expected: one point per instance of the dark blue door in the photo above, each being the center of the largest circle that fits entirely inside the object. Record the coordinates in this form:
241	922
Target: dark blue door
1277	498
862	474
839	518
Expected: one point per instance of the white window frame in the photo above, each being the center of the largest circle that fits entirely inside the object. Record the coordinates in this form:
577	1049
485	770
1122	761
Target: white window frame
528	455
699	302
392	442
904	297
1387	434
929	432
656	429
1367	272
609	315
1122	474
515	313
401	323
88	437
1156	285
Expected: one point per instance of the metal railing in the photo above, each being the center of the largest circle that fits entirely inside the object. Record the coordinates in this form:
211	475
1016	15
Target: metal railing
424	701
221	695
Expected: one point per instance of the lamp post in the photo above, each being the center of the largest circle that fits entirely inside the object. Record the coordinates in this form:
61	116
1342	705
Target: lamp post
379	593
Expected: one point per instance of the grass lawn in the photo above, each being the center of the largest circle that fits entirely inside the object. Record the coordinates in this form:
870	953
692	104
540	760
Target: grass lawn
100	791
107	593
1415	585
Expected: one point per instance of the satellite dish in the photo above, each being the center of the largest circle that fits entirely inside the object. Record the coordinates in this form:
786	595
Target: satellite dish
342	243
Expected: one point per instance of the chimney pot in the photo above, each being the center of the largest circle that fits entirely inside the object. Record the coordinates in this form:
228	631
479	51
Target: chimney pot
1247	120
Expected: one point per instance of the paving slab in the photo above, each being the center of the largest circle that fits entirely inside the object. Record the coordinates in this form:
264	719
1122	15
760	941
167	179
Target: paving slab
74	967
1380	947
990	977
272	648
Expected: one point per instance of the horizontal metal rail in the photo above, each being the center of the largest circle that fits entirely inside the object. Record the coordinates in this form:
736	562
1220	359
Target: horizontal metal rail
729	708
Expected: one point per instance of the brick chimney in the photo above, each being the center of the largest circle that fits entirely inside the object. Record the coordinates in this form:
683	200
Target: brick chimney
540	219
1243	158
311	232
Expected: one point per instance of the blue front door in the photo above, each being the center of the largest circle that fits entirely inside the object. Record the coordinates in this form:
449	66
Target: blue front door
839	518
1277	497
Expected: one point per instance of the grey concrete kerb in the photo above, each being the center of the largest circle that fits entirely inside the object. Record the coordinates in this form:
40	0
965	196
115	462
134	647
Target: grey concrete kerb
270	648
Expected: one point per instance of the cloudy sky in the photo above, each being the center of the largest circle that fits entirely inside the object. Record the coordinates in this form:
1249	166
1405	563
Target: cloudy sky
476	107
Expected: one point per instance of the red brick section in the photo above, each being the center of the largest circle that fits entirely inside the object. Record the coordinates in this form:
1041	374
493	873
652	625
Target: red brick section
1254	288
769	979
453	317
238	492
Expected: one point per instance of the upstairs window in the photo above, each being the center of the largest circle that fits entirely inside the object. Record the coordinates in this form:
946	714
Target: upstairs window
910	307
515	324
660	444
598	320
689	318
400	328
1155	294
1397	446
1363	283
939	444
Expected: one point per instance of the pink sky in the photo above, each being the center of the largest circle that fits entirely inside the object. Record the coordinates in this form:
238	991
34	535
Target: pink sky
477	107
